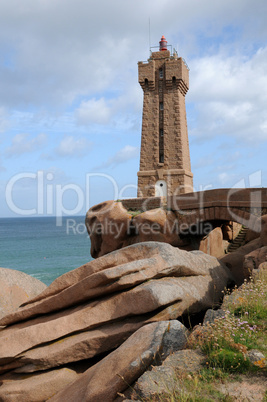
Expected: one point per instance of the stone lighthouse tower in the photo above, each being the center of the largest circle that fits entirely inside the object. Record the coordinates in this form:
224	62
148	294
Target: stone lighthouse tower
165	167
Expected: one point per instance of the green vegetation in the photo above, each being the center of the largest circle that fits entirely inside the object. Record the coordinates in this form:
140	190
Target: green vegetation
226	343
134	212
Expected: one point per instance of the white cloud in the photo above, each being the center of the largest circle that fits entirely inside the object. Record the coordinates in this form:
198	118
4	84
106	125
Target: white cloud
72	147
229	96
94	111
123	155
22	143
55	52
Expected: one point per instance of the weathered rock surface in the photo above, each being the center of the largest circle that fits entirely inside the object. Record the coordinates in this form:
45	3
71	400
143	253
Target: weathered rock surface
156	225
16	288
248	257
77	347
107	224
235	261
37	387
95	308
111	375
111	227
255	258
213	243
263	235
230	230
165	379
121	270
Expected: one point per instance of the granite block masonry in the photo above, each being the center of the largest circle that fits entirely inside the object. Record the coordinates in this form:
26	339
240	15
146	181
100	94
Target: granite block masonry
165	167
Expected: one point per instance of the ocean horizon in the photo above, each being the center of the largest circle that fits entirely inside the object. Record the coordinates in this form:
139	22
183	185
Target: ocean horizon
41	248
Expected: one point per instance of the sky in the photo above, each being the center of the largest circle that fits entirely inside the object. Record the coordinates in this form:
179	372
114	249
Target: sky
71	105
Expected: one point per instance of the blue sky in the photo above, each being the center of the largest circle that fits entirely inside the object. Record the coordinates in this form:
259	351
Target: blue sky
71	105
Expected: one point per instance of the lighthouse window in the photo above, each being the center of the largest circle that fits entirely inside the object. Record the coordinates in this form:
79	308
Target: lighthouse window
161	73
161	132
161	106
161	158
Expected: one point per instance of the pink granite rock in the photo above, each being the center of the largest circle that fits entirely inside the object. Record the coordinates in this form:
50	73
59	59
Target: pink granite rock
255	258
36	387
212	244
111	227
119	369
263	235
119	270
16	288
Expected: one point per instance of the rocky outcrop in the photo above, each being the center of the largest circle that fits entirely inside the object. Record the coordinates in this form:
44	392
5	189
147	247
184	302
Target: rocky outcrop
230	230
254	259
160	382
263	235
108	224
16	288
112	227
95	308
248	257
213	243
114	373
235	261
38	387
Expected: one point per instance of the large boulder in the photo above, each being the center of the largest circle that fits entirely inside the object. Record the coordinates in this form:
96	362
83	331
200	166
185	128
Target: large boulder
235	261
16	288
248	257
37	387
114	373
111	227
255	258
213	243
263	235
156	225
95	308
230	230
108	225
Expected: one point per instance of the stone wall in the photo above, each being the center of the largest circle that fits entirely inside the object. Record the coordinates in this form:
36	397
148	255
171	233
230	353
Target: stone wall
142	204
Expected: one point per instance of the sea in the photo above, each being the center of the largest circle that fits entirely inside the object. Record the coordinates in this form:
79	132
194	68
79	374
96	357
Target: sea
44	247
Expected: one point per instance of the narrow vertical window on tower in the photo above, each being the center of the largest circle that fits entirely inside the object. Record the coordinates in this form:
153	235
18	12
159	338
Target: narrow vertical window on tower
160	73
161	106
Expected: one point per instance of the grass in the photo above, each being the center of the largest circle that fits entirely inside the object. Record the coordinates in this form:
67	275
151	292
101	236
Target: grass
226	343
227	340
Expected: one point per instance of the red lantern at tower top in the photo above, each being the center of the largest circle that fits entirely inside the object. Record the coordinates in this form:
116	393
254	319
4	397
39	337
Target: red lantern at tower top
163	43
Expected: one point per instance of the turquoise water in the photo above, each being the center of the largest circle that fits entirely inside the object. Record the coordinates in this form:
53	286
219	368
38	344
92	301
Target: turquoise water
40	248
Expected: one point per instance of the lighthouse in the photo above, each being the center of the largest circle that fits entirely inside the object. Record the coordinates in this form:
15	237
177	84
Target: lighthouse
165	167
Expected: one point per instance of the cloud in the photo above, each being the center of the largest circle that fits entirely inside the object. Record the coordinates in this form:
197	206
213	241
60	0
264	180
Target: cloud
94	112
123	155
56	52
4	122
22	143
229	97
72	147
